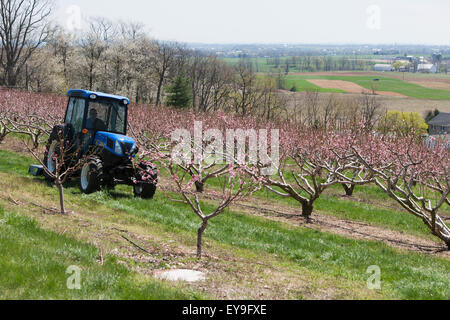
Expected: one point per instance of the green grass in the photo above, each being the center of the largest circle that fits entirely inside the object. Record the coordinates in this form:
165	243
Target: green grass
330	204
304	85
384	84
14	163
405	275
33	265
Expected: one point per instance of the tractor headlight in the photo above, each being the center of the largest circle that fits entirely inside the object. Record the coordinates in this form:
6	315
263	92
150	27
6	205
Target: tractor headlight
118	148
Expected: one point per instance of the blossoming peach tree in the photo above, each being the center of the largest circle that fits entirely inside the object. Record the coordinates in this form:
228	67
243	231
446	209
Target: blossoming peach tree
413	174
30	114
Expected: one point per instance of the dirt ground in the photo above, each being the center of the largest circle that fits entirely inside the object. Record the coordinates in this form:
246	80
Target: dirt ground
393	75
435	84
389	102
350	87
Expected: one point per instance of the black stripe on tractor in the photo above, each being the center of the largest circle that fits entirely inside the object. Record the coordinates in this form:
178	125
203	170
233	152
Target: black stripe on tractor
109	143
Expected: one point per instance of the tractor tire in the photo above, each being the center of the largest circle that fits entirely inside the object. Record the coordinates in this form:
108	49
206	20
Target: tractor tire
52	148
144	190
145	185
90	178
50	151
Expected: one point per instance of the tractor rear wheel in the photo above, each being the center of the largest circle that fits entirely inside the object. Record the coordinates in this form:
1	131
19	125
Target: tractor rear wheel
90	179
60	134
144	190
50	153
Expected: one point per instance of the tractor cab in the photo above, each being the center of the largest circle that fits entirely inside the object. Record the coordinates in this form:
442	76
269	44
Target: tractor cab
100	119
95	126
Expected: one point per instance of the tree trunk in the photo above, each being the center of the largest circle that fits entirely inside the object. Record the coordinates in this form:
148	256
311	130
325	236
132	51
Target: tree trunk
199	186
61	196
3	133
158	94
11	77
199	238
348	190
307	210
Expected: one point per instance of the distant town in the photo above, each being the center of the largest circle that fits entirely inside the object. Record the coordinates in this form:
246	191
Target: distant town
401	58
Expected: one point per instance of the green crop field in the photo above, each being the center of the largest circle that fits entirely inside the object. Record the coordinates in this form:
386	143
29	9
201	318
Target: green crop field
304	85
383	84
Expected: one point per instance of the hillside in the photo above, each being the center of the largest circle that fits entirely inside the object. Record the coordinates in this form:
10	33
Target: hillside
248	256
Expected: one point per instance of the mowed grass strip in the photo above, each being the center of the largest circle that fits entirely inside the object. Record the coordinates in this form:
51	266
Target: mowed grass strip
34	262
383	84
405	275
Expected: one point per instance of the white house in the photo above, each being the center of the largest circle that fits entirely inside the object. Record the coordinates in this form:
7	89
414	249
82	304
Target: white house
427	68
383	67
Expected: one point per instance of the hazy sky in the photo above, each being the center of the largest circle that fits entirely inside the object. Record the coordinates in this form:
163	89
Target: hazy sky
280	21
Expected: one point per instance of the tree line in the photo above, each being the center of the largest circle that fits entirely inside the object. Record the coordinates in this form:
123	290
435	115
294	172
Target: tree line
309	63
121	58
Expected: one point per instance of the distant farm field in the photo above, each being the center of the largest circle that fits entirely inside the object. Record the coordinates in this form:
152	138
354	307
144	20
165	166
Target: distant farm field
304	85
383	84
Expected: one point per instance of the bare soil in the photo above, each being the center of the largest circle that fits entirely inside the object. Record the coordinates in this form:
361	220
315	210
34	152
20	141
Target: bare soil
350	87
396	75
389	102
435	84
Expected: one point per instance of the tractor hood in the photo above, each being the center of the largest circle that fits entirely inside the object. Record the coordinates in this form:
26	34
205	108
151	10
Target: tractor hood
117	144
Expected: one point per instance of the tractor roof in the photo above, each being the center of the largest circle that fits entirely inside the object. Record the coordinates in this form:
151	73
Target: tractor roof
87	94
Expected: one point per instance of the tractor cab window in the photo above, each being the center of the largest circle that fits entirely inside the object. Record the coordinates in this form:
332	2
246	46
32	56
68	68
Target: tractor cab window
75	113
106	115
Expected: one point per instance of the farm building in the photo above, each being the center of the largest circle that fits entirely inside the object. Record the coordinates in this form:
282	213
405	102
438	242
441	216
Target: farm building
440	124
383	67
427	68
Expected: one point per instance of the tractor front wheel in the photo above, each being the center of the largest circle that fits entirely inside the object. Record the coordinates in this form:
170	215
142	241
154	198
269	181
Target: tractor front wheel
90	176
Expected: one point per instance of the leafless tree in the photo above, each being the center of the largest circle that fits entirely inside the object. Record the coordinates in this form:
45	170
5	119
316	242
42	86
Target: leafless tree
245	94
62	44
162	59
24	27
370	108
329	111
311	107
94	45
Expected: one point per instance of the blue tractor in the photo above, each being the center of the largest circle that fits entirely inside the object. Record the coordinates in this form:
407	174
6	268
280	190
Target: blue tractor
95	126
